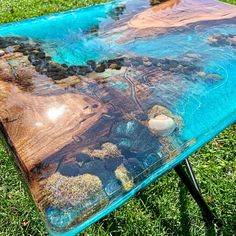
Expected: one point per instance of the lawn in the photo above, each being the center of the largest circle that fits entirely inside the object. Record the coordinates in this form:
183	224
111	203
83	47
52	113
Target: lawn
164	208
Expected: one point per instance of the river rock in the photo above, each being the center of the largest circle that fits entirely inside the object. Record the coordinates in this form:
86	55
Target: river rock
82	157
156	2
1	52
232	40
147	63
69	170
92	64
162	125
107	150
100	68
159	110
62	191
124	176
11	49
115	66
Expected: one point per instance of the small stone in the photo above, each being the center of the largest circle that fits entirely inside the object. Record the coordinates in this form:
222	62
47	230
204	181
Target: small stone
212	39
105	64
156	2
91	63
201	74
112	163
162	125
159	110
125	178
107	150
191	57
1	53
125	143
83	70
39	55
147	63
69	170
81	157
71	70
48	58
36	63
118	61
115	66
31	58
232	40
11	49
95	106
99	68
165	67
136	62
63	191
142	116
174	63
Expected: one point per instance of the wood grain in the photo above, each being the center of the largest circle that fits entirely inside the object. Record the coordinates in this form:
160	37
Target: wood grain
39	126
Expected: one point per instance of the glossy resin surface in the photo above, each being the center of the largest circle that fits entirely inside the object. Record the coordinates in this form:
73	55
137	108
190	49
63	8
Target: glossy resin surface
98	102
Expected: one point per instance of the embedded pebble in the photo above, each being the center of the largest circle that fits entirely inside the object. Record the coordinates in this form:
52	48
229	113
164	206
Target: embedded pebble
147	63
99	68
62	191
125	178
201	74
11	49
107	150
82	157
1	52
156	2
112	163
115	66
233	40
142	116
162	125
92	64
69	170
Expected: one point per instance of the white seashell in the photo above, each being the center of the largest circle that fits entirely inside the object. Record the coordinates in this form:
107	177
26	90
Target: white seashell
1	52
162	125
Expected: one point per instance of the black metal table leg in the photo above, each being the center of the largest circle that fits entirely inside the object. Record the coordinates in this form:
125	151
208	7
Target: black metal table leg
191	174
193	189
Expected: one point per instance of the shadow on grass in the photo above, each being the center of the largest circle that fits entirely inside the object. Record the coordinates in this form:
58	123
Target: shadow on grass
184	217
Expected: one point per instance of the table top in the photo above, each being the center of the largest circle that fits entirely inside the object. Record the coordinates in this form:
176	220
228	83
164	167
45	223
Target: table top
97	103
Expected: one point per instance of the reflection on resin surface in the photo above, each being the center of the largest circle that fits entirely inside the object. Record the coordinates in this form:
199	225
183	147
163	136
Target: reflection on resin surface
54	113
93	109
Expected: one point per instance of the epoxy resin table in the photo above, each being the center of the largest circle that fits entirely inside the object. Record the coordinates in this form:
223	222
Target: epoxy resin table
98	102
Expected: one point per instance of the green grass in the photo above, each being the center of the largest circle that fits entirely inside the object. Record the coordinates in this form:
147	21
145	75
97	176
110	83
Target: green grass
164	208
